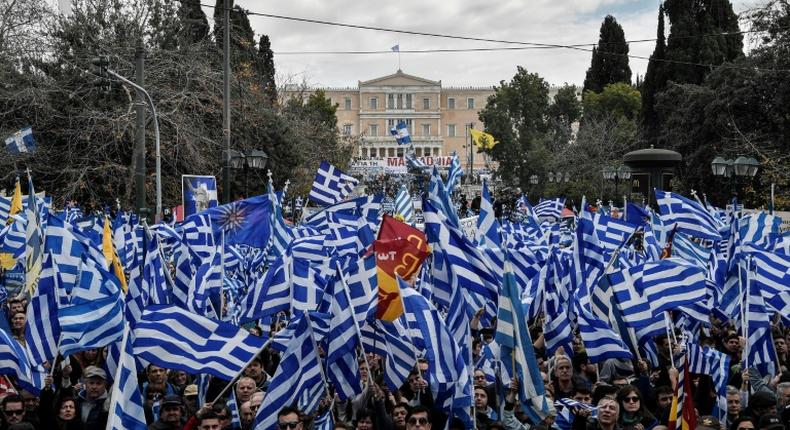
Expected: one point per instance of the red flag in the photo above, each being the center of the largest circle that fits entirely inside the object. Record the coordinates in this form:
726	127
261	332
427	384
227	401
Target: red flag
667	251
400	250
689	413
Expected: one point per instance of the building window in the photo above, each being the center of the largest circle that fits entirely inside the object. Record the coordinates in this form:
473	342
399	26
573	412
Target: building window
347	102
418	152
374	103
348	129
408	101
450	130
364	152
374	130
426	103
435	152
450	103
390	101
372	152
399	152
391	123
391	152
470	103
426	129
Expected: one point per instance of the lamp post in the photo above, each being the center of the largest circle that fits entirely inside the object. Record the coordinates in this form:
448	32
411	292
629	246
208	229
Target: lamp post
616	173
255	159
742	167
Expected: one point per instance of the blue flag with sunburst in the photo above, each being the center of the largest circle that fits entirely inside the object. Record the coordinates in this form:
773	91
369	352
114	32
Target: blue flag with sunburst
244	222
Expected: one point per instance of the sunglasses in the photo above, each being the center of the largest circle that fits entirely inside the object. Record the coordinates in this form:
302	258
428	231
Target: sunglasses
631	399
414	420
15	412
288	425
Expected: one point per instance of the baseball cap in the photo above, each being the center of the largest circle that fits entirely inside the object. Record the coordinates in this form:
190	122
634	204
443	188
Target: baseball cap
94	372
190	390
762	399
770	422
708	422
172	400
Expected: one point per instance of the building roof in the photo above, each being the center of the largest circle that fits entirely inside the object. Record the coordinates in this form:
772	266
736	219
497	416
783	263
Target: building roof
399	76
652	154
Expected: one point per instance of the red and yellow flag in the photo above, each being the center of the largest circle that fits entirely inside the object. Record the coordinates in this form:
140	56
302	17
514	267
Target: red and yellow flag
400	250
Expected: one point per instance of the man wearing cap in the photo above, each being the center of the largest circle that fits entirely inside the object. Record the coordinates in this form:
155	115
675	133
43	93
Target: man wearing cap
762	403
171	416
770	422
708	422
191	399
92	400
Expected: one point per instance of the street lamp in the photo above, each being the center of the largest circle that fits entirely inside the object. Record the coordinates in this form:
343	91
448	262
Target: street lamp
533	179
255	159
616	173
744	167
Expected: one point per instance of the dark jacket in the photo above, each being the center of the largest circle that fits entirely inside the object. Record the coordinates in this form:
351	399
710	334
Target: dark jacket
97	415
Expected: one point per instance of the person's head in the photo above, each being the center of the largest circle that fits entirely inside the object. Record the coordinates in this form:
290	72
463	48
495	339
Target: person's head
244	388
288	419
733	401
255	369
783	392
732	343
708	422
171	411
223	414
255	330
664	397
662	344
155	392
18	321
608	411
31	401
480	377
415	381
91	356
630	400
604	390
15	306
481	398
156	374
245	414
363	369
399	415
763	403
95	382
780	345
66	408
477	346
419	418
180	378
364	420
190	396
340	425
583	394
563	368
770	422
13	408
742	423
209	421
255	402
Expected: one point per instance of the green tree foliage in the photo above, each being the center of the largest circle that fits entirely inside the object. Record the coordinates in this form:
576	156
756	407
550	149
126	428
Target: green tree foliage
609	59
517	115
85	134
740	109
655	80
562	114
620	99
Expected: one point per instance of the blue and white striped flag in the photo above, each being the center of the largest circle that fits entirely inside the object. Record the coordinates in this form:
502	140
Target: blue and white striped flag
487	224
401	133
233	406
454	174
42	329
772	277
331	185
550	208
600	341
94	317
34	240
708	361
512	335
390	340
341	359
126	402
760	351
414	163
175	338
404	206
13	359
20	142
299	371
689	216
612	232
757	227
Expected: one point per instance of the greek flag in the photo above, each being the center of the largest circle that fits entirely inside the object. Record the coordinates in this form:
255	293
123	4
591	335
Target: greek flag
689	216
232	404
708	361
21	141
412	162
362	280
454	174
331	185
600	341
281	233
269	294
299	371
401	133
70	245
757	227
390	340
449	376
34	240
175	338
94	316
772	277
760	351
513	338
647	290
612	232
487	224
438	195
42	328
341	359
685	248
13	360
550	208
404	206
126	402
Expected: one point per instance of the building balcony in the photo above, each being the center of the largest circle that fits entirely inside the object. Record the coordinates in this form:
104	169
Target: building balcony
390	140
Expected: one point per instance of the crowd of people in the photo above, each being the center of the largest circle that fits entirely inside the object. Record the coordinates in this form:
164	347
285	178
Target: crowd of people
612	395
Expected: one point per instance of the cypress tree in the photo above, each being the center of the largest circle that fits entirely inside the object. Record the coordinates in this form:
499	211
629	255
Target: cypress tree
194	24
265	68
655	81
609	62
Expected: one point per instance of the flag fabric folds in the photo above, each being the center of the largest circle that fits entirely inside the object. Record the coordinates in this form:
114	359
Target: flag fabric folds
126	402
401	133
689	216
21	142
175	338
331	185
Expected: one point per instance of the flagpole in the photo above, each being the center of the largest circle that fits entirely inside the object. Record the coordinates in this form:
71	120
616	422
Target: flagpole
238	375
408	333
669	338
746	311
356	324
222	284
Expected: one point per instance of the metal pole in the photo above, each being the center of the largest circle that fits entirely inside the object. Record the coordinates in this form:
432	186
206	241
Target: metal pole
471	152
226	192
139	136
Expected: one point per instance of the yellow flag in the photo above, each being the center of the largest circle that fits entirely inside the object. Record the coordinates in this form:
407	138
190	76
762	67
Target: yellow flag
482	139
7	260
110	255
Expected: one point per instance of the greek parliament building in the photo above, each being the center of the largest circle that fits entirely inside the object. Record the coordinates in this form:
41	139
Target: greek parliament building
438	117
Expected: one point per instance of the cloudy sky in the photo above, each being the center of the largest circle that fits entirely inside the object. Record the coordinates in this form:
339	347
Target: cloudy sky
561	22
